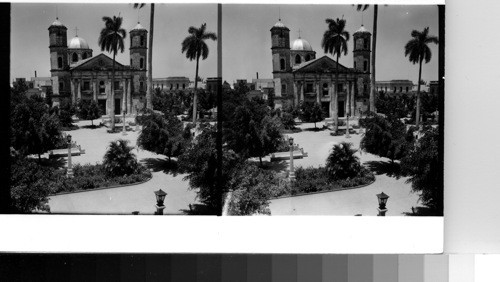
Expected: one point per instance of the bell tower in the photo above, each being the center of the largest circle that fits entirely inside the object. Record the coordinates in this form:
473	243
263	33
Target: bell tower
58	46
280	46
138	47
361	51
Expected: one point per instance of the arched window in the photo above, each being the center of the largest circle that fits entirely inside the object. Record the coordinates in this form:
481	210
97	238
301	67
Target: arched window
283	88
102	87
354	64
298	60
325	89
365	66
282	64
177	86
59	63
400	89
141	63
308	57
142	40
61	86
365	44
74	58
84	56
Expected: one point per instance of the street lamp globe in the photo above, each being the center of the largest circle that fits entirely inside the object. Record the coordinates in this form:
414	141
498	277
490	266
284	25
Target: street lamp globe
382	200
160	197
68	138
290	141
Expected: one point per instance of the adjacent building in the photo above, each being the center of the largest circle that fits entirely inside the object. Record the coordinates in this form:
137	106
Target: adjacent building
395	86
172	83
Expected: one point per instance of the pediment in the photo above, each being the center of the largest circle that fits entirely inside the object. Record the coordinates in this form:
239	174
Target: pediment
99	62
324	64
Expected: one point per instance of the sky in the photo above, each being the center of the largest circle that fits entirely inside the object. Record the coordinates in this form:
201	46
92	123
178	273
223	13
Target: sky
246	43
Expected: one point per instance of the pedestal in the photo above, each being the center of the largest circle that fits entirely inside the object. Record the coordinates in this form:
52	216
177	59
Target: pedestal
381	212
159	209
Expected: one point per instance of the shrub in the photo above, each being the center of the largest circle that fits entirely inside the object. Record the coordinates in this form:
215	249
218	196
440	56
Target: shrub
119	159
342	163
252	188
288	121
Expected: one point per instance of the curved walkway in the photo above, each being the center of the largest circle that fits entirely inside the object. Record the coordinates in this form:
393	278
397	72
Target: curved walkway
347	202
121	200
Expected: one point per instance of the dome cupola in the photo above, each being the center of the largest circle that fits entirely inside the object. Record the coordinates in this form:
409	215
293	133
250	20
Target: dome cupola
301	45
78	43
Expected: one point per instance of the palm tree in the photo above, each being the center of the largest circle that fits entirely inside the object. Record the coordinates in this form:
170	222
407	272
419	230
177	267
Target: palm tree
149	102
418	51
374	49
111	40
195	47
335	42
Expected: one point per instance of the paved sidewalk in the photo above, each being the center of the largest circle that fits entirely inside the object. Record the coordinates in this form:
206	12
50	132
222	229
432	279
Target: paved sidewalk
121	200
347	202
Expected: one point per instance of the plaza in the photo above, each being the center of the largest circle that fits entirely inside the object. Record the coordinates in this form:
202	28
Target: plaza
180	198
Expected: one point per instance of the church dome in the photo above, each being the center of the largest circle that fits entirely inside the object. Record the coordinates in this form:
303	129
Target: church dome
362	29
78	43
301	45
138	27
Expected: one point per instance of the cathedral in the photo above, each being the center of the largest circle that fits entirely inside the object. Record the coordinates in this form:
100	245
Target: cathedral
77	74
300	76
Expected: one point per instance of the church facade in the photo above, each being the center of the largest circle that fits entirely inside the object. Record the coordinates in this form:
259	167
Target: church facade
301	77
77	74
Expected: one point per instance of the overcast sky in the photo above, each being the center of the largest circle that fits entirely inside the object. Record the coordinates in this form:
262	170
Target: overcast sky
246	35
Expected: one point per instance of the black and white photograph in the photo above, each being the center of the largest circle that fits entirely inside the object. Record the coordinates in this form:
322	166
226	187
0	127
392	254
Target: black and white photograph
260	110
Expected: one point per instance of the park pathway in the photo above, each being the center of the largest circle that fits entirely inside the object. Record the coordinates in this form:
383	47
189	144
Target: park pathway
122	200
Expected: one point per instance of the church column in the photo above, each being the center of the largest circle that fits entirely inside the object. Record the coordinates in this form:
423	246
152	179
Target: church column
108	98
301	89
318	91
295	93
94	85
353	99
72	91
129	94
79	89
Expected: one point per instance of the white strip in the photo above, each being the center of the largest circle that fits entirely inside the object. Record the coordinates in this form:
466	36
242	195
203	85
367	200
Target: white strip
255	234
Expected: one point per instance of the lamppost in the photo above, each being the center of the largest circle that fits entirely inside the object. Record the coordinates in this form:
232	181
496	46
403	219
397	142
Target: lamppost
382	200
69	172
160	197
124	130
291	176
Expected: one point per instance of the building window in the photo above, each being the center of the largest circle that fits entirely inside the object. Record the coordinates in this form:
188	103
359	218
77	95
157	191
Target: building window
354	64
61	86
74	58
283	88
340	87
400	89
102	87
183	86
394	90
117	85
406	89
84	56
365	44
325	89
309	88
59	63
86	85
177	86
308	57
298	60
141	86
171	86
282	64
130	61
141	63
365	65
365	88
142	40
